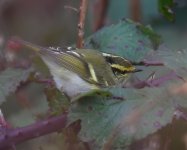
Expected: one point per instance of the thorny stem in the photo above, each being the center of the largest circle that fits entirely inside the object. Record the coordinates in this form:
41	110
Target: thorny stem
154	82
83	9
135	8
72	8
100	11
3	127
148	63
3	122
14	136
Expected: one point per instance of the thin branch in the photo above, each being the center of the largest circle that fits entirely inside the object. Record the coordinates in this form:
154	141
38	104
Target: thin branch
72	8
148	63
81	24
3	123
100	11
5	126
14	136
135	8
155	82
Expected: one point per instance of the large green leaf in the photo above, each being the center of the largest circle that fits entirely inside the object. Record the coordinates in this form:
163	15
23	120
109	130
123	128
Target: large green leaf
10	79
131	113
142	112
128	39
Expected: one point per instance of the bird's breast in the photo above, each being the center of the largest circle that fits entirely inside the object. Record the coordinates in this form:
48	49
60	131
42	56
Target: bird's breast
68	81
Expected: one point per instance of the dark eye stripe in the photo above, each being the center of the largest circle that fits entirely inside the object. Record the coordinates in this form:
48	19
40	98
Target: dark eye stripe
122	69
119	65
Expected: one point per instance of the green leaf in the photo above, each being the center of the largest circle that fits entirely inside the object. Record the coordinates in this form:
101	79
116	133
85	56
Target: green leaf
132	114
125	39
174	60
10	79
165	7
57	101
141	113
154	37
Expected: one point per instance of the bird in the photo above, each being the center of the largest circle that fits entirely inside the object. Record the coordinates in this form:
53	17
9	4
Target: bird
78	71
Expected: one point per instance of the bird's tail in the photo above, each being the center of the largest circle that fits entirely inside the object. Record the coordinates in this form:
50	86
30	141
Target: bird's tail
28	45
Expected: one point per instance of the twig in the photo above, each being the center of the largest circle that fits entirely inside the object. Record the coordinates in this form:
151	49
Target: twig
148	63
72	8
156	82
135	8
4	126
3	122
83	9
100	11
18	135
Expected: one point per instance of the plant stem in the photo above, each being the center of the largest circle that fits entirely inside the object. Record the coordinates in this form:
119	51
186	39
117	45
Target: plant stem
81	24
11	136
100	11
135	8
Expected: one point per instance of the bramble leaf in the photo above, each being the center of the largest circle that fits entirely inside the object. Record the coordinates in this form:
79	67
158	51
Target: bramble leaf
127	39
10	79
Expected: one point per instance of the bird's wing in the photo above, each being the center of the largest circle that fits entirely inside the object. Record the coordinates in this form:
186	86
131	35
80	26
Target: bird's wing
69	61
91	67
99	68
88	62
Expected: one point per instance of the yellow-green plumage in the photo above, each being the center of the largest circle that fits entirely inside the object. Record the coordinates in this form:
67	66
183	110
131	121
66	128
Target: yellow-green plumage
77	71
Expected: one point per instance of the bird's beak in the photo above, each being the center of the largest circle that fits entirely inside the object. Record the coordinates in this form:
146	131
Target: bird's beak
135	70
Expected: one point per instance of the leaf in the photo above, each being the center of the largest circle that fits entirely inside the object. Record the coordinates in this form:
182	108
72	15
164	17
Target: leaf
141	113
132	114
124	39
154	37
71	140
165	7
10	79
58	102
174	60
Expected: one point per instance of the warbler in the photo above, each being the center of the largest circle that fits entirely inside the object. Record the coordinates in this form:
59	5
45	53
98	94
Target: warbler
77	71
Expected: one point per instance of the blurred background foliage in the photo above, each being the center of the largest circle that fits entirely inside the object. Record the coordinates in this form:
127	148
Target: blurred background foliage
50	22
53	23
